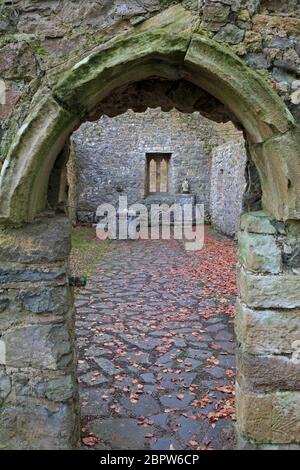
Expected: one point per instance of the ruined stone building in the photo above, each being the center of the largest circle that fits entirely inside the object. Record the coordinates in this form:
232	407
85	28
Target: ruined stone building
112	157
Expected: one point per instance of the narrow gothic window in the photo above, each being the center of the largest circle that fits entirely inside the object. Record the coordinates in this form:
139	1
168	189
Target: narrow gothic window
157	172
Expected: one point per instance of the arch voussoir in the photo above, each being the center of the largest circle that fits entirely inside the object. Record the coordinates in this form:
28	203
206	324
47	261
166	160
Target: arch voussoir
121	61
215	68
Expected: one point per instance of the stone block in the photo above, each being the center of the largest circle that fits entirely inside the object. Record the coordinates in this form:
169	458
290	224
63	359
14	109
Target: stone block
5	385
45	240
230	34
259	253
285	418
54	386
46	299
268	373
41	346
268	417
254	414
38	427
257	222
269	291
267	331
10	276
277	161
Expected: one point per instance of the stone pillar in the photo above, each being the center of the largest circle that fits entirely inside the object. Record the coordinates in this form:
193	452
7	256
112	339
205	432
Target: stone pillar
38	385
268	330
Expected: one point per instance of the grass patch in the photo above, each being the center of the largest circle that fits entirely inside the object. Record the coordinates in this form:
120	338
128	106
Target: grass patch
87	251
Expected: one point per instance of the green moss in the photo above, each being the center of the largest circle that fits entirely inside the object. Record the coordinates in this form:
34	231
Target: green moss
4	11
7	39
203	32
40	51
93	40
90	79
87	251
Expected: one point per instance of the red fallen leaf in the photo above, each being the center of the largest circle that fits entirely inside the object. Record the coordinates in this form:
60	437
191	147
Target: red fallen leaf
229	373
119	377
115	408
180	396
192	443
226	389
149	436
90	441
213	360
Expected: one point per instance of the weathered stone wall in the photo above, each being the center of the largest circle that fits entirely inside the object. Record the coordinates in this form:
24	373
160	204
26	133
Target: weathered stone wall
39	36
111	156
38	385
267	328
228	184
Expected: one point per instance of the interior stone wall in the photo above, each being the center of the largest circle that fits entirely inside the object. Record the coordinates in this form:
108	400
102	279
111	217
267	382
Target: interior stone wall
111	156
228	185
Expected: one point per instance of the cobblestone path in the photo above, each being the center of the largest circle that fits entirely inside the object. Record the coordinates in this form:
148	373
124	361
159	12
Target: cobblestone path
156	349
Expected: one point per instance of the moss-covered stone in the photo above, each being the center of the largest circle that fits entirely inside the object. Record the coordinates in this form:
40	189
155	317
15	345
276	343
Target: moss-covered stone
257	222
120	61
25	172
215	68
278	164
259	253
174	19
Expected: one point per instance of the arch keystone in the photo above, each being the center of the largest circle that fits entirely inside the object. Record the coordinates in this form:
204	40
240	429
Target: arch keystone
120	61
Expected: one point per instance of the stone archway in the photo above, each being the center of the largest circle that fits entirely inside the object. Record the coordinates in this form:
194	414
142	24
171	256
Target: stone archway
37	348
